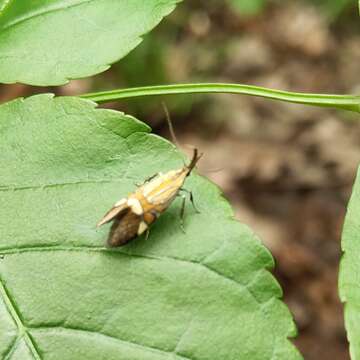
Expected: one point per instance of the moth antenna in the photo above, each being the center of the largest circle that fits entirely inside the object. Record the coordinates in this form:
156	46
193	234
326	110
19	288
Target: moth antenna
213	170
196	157
169	122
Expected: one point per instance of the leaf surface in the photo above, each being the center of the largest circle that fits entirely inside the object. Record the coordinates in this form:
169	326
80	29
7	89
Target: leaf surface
202	295
349	275
48	42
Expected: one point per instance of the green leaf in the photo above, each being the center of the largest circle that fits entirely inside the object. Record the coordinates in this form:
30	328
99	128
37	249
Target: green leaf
48	42
349	275
248	7
205	294
333	9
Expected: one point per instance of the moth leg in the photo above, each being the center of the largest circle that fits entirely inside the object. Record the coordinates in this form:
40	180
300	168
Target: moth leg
147	180
191	196
147	233
182	213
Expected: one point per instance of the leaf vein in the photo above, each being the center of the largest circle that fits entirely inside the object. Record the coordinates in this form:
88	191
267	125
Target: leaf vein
14	312
41	12
12	251
93	332
45	186
5	5
9	352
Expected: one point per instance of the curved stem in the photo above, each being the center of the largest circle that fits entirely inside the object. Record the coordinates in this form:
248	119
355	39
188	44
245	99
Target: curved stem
344	102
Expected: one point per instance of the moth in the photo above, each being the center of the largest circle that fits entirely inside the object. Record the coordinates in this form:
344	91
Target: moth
133	215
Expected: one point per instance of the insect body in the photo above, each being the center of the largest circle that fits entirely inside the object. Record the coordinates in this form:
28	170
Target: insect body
133	215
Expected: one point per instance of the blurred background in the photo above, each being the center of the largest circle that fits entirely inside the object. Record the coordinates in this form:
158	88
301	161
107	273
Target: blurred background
286	169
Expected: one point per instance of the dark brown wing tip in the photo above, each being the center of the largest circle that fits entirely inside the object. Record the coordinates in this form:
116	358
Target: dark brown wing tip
123	230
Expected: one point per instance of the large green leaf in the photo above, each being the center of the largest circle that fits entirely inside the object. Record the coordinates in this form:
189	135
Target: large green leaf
204	295
47	42
349	276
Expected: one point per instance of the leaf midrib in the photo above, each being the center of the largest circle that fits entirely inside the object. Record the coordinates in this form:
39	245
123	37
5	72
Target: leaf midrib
23	330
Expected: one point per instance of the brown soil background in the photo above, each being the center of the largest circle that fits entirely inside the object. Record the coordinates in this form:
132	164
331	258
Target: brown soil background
286	169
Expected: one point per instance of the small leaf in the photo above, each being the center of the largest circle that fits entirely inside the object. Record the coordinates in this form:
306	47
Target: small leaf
49	42
204	295
349	276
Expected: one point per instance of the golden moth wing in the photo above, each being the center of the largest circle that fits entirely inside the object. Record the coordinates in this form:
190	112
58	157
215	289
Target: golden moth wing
117	210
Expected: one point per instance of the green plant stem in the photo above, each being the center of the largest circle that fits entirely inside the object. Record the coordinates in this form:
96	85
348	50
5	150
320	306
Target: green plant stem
344	102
